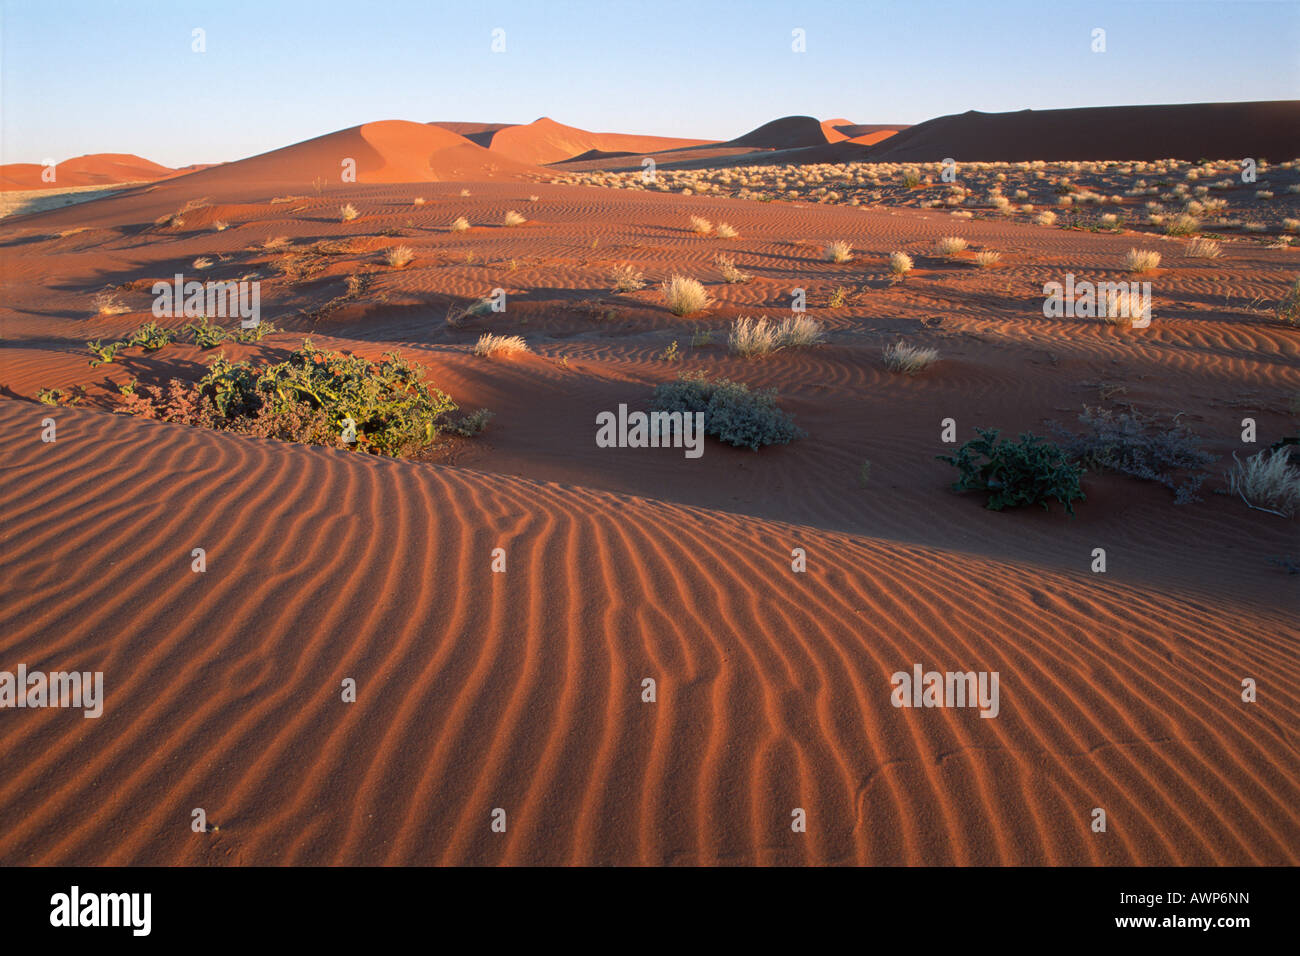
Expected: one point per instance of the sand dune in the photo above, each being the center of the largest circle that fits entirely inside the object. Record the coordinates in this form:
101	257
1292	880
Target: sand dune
97	169
391	151
546	141
523	690
1191	131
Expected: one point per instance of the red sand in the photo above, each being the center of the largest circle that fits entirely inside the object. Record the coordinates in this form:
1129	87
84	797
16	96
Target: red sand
546	141
522	690
94	170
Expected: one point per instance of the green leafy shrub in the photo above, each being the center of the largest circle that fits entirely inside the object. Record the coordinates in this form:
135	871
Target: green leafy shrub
151	337
1025	472
104	353
205	334
255	334
310	397
732	413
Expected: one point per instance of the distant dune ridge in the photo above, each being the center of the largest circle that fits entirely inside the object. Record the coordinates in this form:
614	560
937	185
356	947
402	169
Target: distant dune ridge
96	169
1192	131
392	151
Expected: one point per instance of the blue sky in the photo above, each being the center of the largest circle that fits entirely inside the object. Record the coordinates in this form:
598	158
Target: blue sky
120	75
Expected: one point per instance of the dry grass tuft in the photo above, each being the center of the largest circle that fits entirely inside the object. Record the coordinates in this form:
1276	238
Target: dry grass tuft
348	213
626	278
398	256
838	251
900	263
909	359
514	219
1141	260
684	295
754	338
489	344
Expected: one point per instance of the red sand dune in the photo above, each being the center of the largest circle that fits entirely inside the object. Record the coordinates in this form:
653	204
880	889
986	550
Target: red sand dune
1184	131
789	132
390	151
546	141
95	169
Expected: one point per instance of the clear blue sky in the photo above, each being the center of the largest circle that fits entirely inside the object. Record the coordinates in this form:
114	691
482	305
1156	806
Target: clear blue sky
105	76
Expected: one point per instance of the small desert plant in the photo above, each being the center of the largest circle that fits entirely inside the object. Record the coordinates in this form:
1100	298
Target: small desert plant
732	413
1202	249
727	267
950	246
911	179
459	224
838	251
57	396
103	353
151	337
204	334
987	257
220	225
464	193
107	303
900	263
670	354
252	334
1121	306
471	424
489	344
1267	481
838	297
456	314
1029	471
727	231
627	279
1141	446
513	218
202	262
419	201
909	359
1288	309
1046	218
684	295
1141	260
1182	225
701	225
753	338
348	213
398	256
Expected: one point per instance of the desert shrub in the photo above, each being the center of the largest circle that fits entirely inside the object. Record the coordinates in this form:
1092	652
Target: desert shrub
684	295
1046	218
727	231
151	337
986	257
838	251
57	396
1141	446
399	256
1288	309
459	224
1014	473
727	267
909	359
107	303
1267	481
701	225
1183	224
204	334
489	344
513	218
1141	260
838	297
627	279
103	353
1202	249
348	213
950	245
732	413
750	337
254	334
310	397
900	263
471	424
